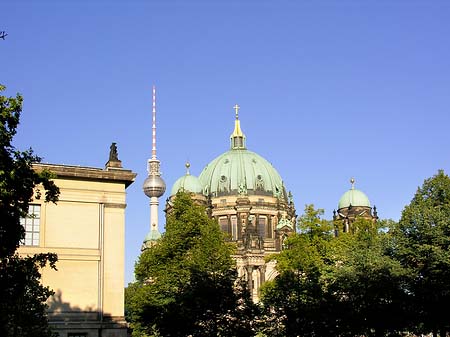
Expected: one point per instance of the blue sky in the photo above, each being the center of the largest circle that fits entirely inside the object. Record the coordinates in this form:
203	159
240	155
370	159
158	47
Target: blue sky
328	90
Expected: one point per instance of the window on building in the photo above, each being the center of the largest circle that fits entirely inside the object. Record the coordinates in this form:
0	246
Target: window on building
270	227
234	229
32	225
223	222
262	226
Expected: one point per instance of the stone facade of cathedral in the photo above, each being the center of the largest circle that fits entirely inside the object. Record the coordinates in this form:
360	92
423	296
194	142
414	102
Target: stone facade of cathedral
248	198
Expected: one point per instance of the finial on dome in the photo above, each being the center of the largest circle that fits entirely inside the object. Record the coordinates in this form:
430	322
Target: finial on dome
236	110
188	165
352	181
237	137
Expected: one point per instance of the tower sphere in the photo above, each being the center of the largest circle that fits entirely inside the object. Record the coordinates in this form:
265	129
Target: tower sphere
154	186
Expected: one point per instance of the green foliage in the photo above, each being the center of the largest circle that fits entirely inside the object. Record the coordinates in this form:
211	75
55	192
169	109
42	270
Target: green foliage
298	295
186	283
22	305
367	283
346	285
423	236
23	308
17	177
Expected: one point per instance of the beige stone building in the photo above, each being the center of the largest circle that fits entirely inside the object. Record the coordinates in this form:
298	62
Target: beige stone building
86	230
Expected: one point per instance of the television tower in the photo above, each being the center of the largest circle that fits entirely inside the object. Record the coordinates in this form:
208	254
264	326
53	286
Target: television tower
154	186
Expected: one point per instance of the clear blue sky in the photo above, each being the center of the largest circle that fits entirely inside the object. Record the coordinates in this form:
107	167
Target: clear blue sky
328	90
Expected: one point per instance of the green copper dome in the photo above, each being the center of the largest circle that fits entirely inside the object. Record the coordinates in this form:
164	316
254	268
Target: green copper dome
353	197
187	183
152	236
240	171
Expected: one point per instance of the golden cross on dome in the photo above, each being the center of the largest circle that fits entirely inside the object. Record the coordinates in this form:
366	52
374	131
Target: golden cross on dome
236	109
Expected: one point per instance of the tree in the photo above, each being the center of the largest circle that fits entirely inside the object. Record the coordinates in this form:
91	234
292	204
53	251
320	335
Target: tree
423	236
367	284
297	297
348	285
22	305
187	282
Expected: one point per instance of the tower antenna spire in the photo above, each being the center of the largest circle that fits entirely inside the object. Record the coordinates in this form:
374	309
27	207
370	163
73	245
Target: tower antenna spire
154	123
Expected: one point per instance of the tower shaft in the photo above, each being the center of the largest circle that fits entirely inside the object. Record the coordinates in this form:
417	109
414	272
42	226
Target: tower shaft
154	203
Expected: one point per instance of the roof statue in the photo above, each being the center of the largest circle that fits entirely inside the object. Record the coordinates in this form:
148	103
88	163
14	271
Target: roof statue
113	161
113	152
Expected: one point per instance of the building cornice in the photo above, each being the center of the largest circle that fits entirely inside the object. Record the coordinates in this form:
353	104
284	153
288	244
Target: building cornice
119	175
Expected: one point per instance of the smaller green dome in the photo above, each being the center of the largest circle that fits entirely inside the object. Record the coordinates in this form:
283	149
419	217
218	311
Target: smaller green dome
187	183
353	197
151	238
153	235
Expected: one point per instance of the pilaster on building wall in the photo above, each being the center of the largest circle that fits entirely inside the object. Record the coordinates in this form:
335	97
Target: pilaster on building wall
86	229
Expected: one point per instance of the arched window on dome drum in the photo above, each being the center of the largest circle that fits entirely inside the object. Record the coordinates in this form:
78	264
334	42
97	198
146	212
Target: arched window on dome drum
262	221
234	228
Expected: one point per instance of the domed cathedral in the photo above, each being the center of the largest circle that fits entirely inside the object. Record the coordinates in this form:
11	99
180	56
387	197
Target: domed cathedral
247	196
352	205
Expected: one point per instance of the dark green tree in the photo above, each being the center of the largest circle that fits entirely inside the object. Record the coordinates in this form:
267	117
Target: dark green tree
22	304
297	297
187	283
367	284
349	285
423	235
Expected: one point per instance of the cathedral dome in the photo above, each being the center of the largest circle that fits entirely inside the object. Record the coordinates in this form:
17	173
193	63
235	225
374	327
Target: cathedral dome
353	197
240	171
187	183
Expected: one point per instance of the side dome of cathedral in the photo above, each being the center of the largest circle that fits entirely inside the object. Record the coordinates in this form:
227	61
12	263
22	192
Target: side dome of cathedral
353	197
188	183
352	205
